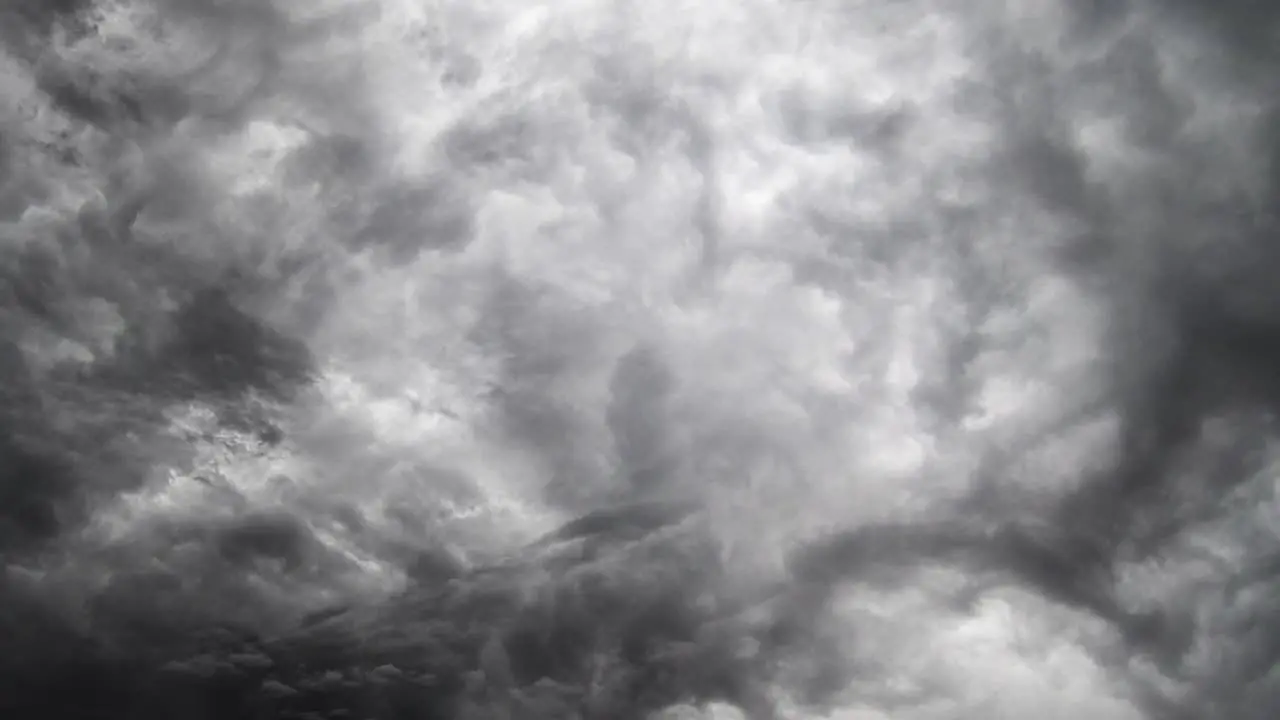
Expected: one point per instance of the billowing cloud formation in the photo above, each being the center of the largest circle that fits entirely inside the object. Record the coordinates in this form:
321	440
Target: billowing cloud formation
623	360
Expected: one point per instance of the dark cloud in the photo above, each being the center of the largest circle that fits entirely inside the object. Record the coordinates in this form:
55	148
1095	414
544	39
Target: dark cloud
43	15
409	221
1248	26
640	392
218	349
33	489
625	610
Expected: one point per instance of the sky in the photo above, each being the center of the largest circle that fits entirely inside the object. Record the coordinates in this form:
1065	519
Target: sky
791	359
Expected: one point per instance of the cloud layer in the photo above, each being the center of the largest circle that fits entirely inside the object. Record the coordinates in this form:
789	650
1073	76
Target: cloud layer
613	359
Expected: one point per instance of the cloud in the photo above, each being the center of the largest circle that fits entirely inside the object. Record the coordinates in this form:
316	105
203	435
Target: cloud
848	360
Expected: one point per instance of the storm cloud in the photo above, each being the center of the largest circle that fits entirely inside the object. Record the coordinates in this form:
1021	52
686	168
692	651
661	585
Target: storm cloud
389	359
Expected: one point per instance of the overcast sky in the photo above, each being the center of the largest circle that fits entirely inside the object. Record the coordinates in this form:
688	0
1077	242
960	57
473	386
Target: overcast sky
943	331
